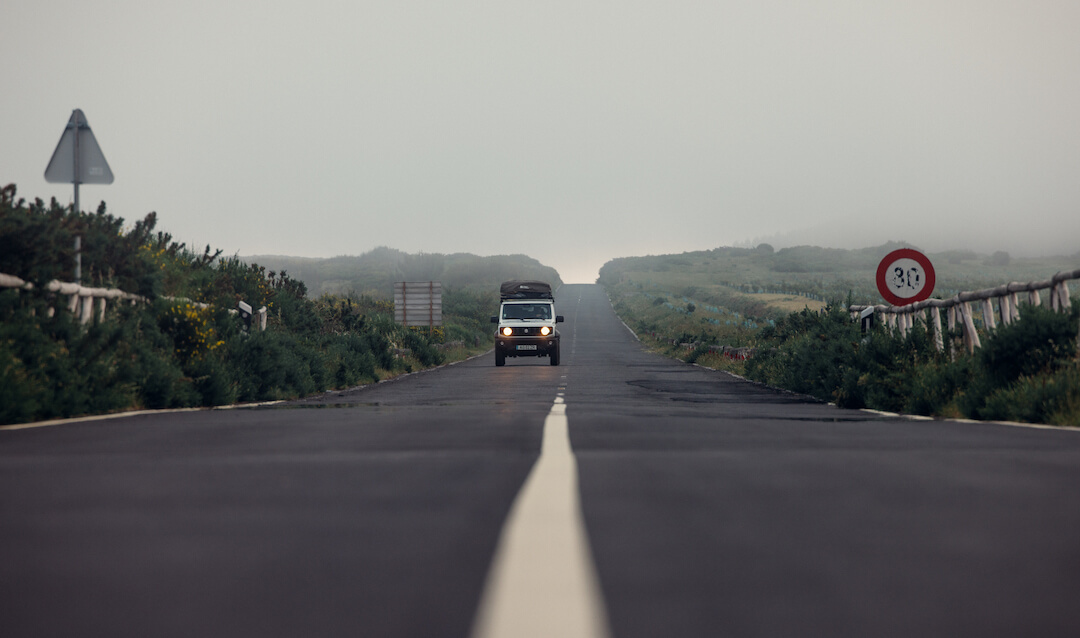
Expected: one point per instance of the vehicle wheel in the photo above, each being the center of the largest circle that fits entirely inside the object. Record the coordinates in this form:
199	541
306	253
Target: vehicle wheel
500	358
554	356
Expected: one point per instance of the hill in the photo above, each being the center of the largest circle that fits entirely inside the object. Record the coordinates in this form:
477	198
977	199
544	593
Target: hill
779	317
373	273
759	280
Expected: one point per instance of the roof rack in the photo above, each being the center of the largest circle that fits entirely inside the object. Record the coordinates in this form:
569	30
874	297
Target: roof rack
525	290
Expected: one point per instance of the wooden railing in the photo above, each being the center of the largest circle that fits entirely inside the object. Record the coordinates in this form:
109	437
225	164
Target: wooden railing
959	310
81	300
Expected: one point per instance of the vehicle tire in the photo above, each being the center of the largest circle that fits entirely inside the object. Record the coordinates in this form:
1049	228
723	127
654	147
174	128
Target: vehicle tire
500	358
554	356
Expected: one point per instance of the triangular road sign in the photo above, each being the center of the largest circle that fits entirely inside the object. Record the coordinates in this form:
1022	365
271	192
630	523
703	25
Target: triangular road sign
78	158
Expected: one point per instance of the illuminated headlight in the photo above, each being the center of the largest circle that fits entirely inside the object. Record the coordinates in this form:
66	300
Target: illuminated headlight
507	331
545	331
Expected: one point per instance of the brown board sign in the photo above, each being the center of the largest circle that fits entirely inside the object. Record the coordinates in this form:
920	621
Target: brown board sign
418	303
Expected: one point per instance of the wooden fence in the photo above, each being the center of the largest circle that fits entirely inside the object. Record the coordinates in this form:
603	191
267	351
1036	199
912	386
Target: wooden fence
959	308
80	299
88	303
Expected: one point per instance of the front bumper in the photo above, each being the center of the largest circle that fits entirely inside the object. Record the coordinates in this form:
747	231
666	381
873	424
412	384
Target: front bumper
526	346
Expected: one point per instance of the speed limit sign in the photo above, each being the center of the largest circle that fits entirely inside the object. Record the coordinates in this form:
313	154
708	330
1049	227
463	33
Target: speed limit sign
905	276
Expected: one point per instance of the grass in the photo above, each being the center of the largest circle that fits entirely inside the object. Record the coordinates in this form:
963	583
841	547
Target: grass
683	306
817	274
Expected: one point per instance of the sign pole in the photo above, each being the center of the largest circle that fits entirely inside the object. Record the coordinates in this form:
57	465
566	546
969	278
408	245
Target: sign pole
78	237
87	166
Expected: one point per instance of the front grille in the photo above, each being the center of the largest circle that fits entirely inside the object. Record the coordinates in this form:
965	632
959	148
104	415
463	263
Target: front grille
528	331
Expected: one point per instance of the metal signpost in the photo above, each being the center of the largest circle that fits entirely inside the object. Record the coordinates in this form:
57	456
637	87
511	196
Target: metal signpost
78	160
905	276
418	303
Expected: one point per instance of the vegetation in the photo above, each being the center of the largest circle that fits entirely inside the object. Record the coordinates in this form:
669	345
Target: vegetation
1026	371
765	282
685	326
182	347
374	273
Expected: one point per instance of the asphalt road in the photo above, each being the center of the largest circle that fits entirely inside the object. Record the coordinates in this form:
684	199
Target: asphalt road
713	507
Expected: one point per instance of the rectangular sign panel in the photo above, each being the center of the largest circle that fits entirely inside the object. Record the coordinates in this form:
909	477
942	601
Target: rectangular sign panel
418	303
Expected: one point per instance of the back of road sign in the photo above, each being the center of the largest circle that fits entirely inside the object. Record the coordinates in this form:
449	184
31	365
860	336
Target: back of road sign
78	158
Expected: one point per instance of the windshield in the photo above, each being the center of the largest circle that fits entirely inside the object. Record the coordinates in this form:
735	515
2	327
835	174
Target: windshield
526	311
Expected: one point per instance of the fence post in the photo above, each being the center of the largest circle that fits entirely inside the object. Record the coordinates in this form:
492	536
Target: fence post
952	313
971	338
988	314
86	311
939	341
1005	310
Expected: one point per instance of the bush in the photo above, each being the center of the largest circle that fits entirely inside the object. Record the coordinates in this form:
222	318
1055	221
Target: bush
936	387
1045	398
1034	348
811	355
1026	371
1041	341
171	352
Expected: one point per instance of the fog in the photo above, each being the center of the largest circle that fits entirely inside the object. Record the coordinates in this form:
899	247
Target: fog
573	132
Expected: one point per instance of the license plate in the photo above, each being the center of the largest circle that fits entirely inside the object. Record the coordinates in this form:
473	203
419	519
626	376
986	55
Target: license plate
529	347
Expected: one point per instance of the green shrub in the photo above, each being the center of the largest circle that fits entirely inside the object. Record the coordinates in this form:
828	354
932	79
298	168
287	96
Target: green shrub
170	352
1052	397
214	381
936	386
811	353
885	370
1025	371
1041	341
1037	346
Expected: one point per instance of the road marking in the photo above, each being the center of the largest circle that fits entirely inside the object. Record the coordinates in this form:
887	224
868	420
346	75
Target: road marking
122	415
543	580
96	417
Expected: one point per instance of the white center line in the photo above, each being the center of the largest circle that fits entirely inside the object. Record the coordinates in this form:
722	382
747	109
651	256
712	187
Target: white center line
543	580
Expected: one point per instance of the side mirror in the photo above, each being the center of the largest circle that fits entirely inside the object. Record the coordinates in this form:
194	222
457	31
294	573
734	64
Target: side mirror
494	320
559	319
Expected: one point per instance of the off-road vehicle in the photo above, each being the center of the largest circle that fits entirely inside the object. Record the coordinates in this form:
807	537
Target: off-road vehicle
526	322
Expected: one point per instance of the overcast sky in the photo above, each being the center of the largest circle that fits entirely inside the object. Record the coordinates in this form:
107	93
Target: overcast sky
574	132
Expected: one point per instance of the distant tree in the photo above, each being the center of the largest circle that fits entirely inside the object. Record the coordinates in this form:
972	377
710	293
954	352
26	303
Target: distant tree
957	256
765	249
1000	258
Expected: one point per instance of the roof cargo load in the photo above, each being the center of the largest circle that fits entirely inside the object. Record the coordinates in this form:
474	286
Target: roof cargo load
525	290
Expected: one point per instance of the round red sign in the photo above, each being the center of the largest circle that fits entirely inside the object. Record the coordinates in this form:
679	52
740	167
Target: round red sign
905	276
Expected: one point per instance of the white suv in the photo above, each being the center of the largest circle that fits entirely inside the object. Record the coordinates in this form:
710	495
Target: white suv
526	322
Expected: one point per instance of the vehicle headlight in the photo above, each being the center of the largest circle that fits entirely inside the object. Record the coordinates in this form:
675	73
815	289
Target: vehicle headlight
545	331
507	331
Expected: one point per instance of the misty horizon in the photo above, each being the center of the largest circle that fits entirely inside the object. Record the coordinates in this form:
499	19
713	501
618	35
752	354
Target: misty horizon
571	132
